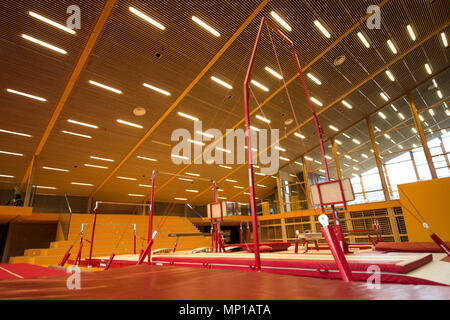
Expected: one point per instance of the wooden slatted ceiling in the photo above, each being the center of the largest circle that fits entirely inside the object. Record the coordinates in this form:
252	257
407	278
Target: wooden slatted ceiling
124	58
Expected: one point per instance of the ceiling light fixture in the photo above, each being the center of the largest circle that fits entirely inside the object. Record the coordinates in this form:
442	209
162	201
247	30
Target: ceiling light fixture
51	22
313	78
205	26
15	133
55	169
221	82
392	47
26	95
348	105
188	116
145	158
76	134
44	44
95	166
146	18
274	73
363	39
129	124
101	159
259	85
411	32
83	124
262	118
280	21
101	85
164	92
322	29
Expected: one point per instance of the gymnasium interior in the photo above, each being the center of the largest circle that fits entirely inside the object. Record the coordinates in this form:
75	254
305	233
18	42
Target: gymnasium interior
224	150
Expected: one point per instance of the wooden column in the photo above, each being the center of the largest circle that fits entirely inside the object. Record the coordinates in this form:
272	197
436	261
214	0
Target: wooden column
336	159
280	199
444	152
362	187
283	229
391	192
423	140
394	226
306	183
377	159
414	165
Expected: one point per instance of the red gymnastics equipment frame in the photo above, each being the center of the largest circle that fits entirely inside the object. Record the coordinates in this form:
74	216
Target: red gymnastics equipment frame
337	229
151	235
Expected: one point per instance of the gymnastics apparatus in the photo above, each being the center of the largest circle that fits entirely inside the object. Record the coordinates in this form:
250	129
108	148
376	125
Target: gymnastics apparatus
340	261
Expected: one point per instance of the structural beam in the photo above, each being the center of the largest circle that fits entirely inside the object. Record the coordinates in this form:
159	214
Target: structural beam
376	154
95	35
423	139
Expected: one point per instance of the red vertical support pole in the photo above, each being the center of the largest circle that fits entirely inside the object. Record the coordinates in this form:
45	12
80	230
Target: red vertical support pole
134	240
93	233
241	234
248	233
150	214
251	176
336	249
66	257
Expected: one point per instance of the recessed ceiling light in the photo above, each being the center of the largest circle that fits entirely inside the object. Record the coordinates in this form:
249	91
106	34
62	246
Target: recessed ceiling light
101	85
180	199
225	167
254	128
320	104
81	184
44	44
394	108
322	28
180	157
439	93
279	148
260	174
44	187
338	141
145	185
274	73
284	159
184	179
223	150
15	133
238	187
164	92
411	32
309	158
76	134
348	105
205	26
447	112
188	116
384	96
83	124
12	153
382	115
299	135
346	135
356	141
390	75
392	140
428	68
221	82
135	195
401	116
222	198
205	134
51	22
6	176
421	117
145	158
259	85
26	95
55	169
147	18
192	174
192	191
313	78
387	136
444	39
363	39
196	142
281	21
129	124
126	178
333	128
364	156
94	166
414	130
102	159
435	83
229	180
261	185
348	157
262	118
392	47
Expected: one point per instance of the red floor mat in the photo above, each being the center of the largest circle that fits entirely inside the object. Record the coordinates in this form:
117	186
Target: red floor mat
24	270
409	246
